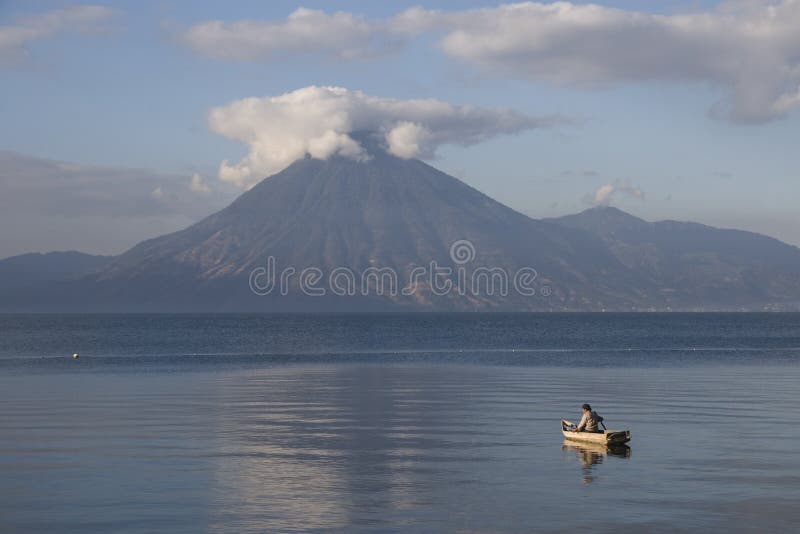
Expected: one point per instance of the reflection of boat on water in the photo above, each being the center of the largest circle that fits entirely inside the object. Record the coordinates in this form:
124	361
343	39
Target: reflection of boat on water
592	454
606	437
597	449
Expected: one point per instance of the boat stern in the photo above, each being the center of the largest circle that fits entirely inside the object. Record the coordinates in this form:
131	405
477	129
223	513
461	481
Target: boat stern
618	436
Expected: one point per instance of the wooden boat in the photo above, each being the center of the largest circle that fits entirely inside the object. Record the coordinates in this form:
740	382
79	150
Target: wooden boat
605	437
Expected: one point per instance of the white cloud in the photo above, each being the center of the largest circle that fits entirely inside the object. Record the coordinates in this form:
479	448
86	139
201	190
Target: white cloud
343	35
197	185
749	49
406	139
752	49
15	37
322	121
604	194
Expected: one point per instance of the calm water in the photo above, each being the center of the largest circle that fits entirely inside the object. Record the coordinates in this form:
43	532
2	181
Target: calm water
397	423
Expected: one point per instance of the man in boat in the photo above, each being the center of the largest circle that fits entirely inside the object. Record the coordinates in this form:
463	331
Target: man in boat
589	420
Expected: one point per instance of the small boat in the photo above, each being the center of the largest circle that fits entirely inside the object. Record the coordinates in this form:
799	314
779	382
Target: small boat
605	437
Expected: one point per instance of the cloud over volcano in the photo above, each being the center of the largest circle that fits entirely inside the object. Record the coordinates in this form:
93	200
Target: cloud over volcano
320	121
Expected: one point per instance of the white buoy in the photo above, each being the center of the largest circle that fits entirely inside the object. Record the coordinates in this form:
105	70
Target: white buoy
75	356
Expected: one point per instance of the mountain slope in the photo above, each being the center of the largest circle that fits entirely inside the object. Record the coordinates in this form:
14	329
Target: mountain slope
695	264
37	269
386	213
404	215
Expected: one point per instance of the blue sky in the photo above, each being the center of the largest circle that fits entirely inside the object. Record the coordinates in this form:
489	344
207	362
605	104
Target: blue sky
129	93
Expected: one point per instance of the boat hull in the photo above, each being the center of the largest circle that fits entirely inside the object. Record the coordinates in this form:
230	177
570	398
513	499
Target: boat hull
606	437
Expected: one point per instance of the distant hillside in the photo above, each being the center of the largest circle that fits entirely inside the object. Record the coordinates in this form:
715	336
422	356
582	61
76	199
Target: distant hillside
401	215
696	265
26	270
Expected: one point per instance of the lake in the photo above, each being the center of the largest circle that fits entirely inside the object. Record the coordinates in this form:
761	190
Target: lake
402	423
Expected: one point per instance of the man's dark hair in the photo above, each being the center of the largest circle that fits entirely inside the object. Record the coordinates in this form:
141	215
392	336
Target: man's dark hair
587	407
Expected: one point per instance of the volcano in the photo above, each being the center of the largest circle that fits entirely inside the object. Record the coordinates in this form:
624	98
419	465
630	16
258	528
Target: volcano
397	234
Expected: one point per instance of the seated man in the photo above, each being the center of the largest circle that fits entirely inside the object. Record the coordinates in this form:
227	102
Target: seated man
589	420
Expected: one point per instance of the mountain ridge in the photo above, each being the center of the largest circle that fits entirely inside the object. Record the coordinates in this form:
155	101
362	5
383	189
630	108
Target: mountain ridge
34	268
403	214
693	259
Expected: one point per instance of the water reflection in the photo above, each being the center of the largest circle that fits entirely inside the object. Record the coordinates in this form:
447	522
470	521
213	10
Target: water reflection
362	446
592	454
